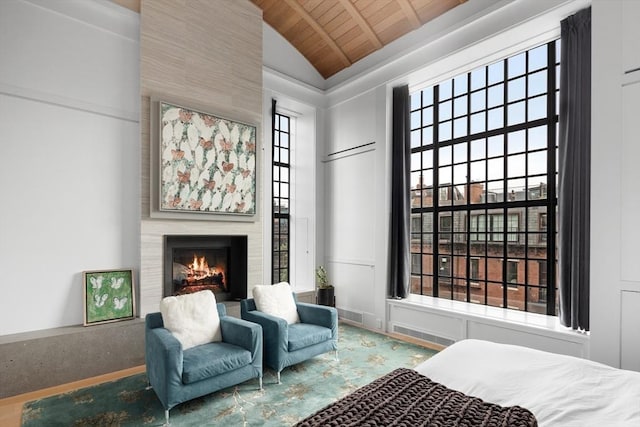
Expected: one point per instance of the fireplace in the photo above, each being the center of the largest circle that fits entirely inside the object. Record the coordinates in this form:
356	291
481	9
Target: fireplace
195	263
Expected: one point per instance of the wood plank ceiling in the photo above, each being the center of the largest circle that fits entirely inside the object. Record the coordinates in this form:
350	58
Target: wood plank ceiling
333	34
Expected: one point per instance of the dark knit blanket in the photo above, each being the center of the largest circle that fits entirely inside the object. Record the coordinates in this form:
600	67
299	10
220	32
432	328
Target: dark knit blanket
406	398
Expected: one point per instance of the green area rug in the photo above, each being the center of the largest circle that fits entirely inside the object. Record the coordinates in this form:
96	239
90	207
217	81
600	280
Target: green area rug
306	388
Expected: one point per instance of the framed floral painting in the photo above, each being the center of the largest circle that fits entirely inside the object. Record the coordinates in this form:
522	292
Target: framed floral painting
207	163
109	296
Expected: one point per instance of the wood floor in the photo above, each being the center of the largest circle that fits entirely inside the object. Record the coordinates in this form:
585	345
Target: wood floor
11	407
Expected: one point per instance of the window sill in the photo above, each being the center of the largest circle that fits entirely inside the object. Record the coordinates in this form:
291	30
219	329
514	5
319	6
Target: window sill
530	322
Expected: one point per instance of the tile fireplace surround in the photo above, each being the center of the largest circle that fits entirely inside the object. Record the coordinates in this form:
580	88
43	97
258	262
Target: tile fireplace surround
151	282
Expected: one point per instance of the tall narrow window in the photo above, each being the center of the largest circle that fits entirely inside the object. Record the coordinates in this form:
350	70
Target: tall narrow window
483	169
281	193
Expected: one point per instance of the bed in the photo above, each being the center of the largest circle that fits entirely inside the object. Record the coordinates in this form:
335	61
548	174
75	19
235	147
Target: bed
557	390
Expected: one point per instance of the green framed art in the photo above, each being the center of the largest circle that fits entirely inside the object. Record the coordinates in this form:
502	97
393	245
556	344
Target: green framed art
109	296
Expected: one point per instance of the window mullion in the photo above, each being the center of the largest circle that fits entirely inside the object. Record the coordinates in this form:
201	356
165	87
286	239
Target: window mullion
436	192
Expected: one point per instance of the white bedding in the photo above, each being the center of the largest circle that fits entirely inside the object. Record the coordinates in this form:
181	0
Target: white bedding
559	390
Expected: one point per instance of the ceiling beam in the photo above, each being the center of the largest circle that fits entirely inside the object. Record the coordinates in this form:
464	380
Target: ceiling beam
293	4
362	23
410	13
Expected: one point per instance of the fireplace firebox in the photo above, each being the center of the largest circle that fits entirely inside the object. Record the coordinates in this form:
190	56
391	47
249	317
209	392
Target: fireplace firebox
214	262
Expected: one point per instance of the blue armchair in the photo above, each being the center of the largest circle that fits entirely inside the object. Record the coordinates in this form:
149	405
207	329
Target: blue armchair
177	376
286	345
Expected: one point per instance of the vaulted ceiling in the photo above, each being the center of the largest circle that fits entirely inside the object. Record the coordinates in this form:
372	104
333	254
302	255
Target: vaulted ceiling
333	34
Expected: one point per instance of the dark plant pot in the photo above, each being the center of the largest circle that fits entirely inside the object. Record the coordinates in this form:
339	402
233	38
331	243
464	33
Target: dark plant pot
326	297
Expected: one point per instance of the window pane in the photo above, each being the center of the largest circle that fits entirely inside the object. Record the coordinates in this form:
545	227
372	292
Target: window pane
537	108
496	95
496	118
427	136
478	171
460	174
516	65
478	101
460	106
416	138
516	89
445	154
478	122
537	83
537	163
495	168
444	130
415	101
478	149
516	113
537	137
460	85
427	96
427	116
496	72
538	58
516	165
478	78
445	90
496	146
517	142
460	127
460	152
427	159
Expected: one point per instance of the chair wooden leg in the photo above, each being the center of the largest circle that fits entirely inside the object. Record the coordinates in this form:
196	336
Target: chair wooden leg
260	379
166	417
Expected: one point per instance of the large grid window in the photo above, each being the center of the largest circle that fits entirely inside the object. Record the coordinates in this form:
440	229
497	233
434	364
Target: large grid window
486	142
281	192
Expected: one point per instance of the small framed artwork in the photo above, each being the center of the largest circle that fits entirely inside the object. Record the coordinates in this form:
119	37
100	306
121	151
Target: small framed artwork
109	296
206	163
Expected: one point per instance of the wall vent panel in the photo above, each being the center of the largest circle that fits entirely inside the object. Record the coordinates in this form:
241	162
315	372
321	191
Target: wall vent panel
422	335
350	315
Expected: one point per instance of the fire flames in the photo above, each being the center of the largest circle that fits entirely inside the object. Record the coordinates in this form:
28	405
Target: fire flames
199	269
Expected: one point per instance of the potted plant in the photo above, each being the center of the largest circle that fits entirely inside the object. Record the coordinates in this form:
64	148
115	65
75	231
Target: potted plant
325	294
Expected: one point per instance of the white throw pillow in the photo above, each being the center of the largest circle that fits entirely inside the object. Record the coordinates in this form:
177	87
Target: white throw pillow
192	318
276	300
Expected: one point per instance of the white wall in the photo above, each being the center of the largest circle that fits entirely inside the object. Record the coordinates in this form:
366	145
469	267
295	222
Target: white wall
69	107
615	201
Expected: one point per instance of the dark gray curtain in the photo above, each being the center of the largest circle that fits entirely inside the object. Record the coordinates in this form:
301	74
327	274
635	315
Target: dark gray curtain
400	270
574	170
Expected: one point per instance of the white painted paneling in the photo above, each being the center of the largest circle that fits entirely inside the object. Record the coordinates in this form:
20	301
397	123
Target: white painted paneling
354	284
71	203
351	123
630	35
69	109
629	325
505	335
92	64
629	179
432	323
606	177
351	207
